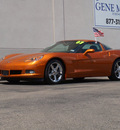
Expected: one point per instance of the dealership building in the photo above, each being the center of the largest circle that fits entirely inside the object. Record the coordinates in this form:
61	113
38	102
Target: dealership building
40	23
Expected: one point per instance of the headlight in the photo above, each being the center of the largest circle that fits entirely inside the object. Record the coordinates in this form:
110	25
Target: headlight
2	59
34	59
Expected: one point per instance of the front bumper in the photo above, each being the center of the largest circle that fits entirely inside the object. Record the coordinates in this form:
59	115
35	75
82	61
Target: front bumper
6	73
21	72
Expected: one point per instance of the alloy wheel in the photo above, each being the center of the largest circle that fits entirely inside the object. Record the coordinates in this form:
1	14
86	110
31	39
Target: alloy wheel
117	69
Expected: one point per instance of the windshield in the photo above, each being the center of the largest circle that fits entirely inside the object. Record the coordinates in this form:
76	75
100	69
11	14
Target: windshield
65	46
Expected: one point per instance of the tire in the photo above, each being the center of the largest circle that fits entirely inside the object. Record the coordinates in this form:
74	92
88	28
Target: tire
115	74
13	81
54	72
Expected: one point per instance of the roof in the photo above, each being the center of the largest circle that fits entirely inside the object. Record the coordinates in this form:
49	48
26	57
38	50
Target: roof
81	40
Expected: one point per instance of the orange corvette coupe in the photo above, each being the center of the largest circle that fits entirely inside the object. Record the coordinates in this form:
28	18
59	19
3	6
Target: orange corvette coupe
75	59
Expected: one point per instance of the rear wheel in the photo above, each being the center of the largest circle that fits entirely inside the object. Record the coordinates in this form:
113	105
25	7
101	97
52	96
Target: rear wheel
115	74
54	72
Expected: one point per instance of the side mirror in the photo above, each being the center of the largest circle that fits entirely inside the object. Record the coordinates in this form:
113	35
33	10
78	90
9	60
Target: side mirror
89	51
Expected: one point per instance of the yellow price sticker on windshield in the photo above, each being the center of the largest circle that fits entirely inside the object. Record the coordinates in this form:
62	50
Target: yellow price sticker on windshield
80	42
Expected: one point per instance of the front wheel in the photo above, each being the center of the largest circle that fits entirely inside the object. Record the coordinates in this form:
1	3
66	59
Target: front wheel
115	74
54	72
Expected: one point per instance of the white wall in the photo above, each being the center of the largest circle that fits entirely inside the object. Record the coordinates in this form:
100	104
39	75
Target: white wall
29	23
25	23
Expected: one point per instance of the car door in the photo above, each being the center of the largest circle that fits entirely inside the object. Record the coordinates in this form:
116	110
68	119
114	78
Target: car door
92	64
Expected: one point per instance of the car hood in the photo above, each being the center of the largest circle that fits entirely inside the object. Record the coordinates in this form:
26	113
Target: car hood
22	57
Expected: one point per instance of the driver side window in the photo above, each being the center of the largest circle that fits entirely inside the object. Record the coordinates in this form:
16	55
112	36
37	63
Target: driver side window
94	46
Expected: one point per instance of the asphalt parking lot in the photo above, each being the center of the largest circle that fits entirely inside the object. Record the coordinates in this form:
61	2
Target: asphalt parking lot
93	104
